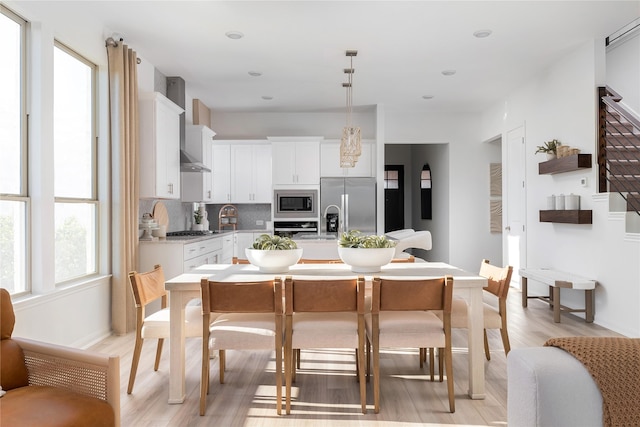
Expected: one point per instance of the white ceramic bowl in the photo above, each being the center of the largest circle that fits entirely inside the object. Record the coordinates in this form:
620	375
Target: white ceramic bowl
276	261
366	260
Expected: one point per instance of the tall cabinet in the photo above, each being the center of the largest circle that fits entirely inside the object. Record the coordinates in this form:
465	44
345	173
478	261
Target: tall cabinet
197	186
221	172
159	147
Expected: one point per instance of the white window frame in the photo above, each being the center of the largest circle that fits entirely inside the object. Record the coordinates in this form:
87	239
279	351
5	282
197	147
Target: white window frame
94	167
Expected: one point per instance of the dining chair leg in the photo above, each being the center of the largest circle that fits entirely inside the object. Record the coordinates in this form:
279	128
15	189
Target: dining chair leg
432	360
368	349
297	356
421	356
441	361
487	353
158	354
279	380
505	341
289	362
376	379
360	371
449	367
223	364
134	362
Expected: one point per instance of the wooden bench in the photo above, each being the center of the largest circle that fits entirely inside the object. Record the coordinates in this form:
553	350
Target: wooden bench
556	280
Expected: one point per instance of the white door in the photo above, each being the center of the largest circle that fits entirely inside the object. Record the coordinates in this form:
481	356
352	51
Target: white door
515	237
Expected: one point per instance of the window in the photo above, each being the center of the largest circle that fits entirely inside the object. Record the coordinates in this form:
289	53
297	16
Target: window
14	203
76	203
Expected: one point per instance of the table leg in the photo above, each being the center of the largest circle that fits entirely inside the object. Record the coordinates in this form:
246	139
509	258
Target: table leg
525	298
176	350
556	303
588	305
475	329
552	297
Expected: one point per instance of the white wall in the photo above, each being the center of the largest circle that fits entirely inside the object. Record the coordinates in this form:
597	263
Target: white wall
562	103
623	69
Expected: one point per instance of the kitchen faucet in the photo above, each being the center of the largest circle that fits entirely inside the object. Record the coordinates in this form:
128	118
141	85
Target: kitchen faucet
340	230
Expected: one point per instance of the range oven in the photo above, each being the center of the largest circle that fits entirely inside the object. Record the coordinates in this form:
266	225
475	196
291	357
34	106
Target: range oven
295	229
292	204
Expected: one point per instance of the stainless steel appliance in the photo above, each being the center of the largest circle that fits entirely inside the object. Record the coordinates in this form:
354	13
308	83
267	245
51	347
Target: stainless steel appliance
296	229
353	200
295	204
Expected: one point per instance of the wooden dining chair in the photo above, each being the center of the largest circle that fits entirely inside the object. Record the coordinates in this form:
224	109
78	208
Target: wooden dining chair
249	317
324	314
498	283
147	288
320	261
402	316
410	258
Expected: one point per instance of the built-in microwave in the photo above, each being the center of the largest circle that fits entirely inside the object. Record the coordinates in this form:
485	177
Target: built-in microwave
295	204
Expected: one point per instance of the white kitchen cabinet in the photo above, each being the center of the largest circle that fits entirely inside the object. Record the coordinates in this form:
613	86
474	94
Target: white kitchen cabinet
228	243
159	147
198	186
330	161
296	162
251	173
221	173
243	240
177	257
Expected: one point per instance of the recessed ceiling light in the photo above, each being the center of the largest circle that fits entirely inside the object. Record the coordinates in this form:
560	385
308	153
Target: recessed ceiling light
482	33
255	73
267	97
427	96
448	72
234	35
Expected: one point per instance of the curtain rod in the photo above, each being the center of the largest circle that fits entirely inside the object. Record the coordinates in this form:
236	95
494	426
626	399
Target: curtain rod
112	42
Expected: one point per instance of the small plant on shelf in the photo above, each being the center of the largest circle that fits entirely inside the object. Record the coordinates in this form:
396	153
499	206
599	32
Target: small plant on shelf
268	242
355	239
550	148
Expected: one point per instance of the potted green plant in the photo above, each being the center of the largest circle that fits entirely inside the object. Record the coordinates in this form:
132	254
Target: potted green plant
550	148
197	218
273	254
365	253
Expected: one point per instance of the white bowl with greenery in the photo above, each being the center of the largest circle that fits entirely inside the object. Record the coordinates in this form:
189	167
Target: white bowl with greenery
273	254
365	254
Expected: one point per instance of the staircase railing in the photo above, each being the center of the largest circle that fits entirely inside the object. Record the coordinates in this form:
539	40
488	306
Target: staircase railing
618	149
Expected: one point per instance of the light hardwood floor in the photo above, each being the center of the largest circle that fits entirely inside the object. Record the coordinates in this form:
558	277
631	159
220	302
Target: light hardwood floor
326	391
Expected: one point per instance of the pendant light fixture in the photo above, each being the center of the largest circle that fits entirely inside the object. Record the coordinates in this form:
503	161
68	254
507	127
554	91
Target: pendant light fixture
350	144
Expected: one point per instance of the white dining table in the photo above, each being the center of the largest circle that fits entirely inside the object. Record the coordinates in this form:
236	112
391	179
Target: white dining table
186	287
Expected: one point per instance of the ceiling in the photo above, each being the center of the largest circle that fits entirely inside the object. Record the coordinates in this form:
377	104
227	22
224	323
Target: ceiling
299	46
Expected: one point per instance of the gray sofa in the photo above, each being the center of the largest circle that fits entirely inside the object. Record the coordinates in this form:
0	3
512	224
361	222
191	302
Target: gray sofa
546	386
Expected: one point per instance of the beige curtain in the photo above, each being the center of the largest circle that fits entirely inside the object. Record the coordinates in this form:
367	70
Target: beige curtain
123	105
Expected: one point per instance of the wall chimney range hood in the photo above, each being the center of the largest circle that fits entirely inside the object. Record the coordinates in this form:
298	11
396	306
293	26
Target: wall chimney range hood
176	93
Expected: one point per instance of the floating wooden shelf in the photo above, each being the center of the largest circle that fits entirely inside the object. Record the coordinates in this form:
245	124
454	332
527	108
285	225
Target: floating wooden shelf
567	217
565	164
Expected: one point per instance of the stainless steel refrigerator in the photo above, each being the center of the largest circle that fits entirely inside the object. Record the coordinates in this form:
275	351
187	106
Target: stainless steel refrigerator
356	198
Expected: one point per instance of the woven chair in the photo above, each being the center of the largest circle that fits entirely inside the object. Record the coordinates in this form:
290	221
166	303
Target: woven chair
147	288
47	384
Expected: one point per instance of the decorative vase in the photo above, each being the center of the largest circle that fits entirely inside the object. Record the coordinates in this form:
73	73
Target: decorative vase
366	260
273	261
551	156
197	227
